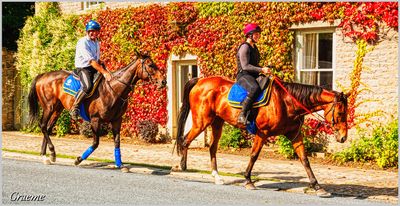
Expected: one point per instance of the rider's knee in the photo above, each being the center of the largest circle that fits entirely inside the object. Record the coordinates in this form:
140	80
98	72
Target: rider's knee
86	90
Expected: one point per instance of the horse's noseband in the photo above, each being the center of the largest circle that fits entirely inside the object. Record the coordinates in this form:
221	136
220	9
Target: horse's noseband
338	99
145	69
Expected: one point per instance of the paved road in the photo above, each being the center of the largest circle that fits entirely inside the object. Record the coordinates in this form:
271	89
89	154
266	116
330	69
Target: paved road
64	184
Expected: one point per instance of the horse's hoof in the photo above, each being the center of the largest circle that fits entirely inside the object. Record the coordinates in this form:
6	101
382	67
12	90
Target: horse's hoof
46	160
176	168
78	160
322	193
53	158
250	186
219	181
124	169
183	167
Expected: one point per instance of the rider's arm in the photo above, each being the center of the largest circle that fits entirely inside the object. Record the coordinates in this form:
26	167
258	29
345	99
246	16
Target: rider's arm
98	67
244	56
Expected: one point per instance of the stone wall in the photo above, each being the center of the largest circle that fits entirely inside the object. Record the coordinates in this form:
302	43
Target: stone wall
379	77
9	91
77	7
70	7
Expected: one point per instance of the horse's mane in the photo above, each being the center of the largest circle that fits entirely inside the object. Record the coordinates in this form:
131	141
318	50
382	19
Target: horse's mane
304	93
119	72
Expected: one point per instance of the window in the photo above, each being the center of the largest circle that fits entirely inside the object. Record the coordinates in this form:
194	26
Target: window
315	57
91	4
185	72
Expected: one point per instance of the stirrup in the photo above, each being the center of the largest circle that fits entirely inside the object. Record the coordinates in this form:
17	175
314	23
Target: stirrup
244	122
74	113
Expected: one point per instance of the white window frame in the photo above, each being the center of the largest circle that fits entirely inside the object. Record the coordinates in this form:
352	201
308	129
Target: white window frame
87	5
300	54
180	87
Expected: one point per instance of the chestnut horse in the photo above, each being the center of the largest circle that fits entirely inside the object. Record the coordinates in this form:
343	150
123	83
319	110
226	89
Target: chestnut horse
206	98
107	104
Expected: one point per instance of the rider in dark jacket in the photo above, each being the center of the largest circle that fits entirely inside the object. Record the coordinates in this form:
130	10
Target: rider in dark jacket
248	58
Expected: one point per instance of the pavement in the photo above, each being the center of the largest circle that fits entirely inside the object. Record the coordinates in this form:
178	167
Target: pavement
281	175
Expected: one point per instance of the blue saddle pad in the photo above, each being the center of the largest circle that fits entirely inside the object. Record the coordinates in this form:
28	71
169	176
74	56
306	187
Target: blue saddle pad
237	94
71	86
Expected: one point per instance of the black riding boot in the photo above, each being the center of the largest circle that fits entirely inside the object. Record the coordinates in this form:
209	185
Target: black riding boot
247	104
74	112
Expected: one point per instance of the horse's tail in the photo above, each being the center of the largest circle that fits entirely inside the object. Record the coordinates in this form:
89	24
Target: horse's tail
33	101
183	114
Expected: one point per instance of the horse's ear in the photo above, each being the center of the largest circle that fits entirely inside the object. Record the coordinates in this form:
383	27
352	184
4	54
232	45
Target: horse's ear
144	54
135	57
346	95
136	54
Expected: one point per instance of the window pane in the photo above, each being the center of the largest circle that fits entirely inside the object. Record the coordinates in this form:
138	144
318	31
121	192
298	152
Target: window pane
325	41
325	79
184	78
310	78
310	51
194	71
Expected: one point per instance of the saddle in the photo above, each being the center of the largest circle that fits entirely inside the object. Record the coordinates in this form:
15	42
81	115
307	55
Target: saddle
72	84
237	94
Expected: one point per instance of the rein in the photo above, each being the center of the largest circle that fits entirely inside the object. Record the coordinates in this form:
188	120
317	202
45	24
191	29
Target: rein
303	107
119	96
130	85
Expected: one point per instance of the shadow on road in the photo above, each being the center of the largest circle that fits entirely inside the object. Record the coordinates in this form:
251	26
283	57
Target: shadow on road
341	190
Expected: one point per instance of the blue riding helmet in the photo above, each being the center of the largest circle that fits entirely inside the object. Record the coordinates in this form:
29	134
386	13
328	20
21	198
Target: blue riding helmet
92	25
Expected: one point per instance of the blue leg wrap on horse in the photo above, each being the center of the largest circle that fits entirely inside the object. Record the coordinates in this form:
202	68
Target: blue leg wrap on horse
117	154
87	153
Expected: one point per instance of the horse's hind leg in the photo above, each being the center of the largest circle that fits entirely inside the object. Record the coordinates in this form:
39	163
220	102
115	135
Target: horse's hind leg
301	153
47	114
50	125
216	135
43	152
198	127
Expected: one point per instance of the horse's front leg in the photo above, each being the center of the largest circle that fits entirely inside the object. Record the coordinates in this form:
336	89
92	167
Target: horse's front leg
116	128
95	128
301	153
255	151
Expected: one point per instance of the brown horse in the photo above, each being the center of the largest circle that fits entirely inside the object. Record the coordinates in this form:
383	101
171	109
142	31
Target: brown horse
107	104
206	98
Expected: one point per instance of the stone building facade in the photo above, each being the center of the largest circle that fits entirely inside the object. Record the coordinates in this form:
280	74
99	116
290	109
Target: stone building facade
82	7
379	75
379	80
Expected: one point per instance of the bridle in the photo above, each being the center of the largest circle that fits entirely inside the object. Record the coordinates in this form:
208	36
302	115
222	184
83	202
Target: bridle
131	85
317	116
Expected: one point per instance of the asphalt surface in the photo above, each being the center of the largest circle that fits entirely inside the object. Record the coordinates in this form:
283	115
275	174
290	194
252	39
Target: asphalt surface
63	184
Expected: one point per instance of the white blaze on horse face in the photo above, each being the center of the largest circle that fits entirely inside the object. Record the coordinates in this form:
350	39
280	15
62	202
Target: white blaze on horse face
340	126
